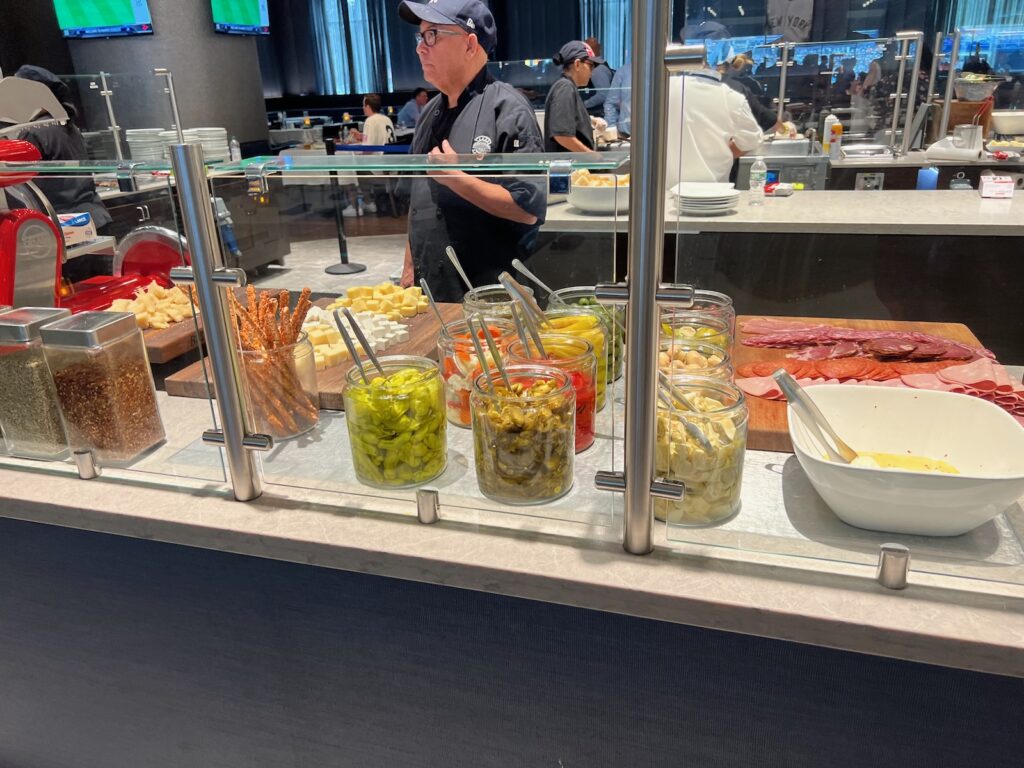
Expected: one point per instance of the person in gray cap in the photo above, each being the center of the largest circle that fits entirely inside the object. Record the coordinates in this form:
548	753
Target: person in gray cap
566	120
488	222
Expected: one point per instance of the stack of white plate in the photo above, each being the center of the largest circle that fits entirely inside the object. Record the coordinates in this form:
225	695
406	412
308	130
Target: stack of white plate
214	141
145	144
705	198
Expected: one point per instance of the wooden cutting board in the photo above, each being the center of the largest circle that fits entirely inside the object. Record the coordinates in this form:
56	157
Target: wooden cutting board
423	332
768	427
166	344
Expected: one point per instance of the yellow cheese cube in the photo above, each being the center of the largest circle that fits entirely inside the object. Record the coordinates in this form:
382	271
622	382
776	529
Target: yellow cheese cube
373	304
333	336
317	336
407	310
321	362
359	305
359	292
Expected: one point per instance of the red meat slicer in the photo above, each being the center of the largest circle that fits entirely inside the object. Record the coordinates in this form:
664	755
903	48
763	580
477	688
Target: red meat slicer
32	251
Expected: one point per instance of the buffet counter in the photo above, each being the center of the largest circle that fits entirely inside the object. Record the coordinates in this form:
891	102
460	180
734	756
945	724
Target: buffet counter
899	212
981	629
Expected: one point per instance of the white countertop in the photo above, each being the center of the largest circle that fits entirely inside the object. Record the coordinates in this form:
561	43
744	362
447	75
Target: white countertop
899	212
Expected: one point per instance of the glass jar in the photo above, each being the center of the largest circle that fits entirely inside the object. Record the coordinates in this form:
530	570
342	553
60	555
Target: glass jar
396	424
686	325
523	438
689	358
614	316
489	301
703	450
576	357
29	410
104	385
281	389
589	325
460	365
717	305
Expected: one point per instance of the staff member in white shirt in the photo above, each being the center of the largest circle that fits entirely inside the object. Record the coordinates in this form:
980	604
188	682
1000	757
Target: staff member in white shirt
717	126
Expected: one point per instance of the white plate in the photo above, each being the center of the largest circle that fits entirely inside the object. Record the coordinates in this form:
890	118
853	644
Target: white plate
706	203
702	190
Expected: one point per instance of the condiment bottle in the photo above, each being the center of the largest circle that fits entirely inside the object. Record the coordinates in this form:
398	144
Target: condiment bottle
29	412
104	385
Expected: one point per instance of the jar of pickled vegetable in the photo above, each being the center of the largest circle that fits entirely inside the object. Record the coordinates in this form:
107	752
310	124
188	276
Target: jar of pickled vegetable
460	365
615	320
489	301
396	423
523	437
588	324
687	325
702	447
717	305
281	389
694	359
576	357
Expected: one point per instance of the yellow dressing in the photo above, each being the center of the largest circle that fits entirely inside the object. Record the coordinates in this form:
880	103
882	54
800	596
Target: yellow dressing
906	461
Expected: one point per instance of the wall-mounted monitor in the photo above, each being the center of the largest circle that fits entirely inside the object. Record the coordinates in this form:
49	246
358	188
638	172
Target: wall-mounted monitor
103	18
241	17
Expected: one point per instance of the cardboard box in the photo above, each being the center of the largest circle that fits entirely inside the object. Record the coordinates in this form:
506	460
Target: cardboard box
1000	187
77	228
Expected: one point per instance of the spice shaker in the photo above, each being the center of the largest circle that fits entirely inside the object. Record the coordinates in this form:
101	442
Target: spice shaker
104	385
29	413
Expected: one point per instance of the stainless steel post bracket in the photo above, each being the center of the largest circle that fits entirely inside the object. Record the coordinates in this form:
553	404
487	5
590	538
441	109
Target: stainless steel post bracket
893	566
428	506
229	276
88	469
253	442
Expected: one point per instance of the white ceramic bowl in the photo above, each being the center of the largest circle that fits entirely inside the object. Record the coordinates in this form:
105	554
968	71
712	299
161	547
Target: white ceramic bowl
980	439
1009	122
600	199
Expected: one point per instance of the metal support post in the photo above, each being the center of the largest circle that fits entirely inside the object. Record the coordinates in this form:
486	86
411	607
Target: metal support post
917	39
934	72
115	129
897	97
954	59
226	364
785	63
169	90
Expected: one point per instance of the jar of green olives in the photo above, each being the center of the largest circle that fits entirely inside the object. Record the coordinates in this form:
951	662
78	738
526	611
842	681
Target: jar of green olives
615	320
396	422
523	435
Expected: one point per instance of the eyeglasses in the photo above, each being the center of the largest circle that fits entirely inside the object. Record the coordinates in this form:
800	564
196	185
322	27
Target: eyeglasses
429	36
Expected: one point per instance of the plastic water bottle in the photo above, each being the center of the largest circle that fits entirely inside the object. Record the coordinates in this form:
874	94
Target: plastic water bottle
826	134
758	178
234	150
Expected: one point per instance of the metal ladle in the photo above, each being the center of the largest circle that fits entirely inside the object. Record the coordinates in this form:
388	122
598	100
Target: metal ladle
813	418
480	355
521	268
433	305
495	355
458	266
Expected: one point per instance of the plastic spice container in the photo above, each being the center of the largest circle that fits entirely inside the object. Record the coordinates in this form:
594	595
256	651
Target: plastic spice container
396	423
614	316
523	438
106	393
29	412
703	450
588	324
280	385
686	325
575	357
460	365
489	301
690	358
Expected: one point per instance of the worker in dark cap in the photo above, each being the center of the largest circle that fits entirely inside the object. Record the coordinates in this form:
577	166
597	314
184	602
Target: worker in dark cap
489	222
73	193
567	125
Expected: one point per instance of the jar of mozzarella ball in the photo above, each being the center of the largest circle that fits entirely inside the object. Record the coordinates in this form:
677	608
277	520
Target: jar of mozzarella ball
703	447
678	357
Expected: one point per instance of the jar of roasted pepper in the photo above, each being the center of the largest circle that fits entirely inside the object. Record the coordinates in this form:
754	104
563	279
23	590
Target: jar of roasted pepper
523	436
614	316
703	447
576	357
460	365
489	301
587	323
396	424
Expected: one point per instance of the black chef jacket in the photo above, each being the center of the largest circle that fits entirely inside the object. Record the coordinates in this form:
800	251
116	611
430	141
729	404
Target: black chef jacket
566	115
74	193
490	117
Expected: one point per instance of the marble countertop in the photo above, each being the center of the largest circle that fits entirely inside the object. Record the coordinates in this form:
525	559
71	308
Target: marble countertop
827	604
900	212
917	158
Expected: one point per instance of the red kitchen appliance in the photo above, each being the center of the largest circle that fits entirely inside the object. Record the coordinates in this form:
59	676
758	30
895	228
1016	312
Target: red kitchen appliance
32	252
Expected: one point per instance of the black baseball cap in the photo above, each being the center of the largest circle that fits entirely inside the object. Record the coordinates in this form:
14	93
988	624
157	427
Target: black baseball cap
471	15
576	49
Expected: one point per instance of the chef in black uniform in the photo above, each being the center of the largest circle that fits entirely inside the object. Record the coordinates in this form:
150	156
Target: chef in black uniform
567	125
488	222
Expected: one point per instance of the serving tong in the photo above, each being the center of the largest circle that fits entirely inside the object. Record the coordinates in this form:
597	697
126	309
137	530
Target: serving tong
813	418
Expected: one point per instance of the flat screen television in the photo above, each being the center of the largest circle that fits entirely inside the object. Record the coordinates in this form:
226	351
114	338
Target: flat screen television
103	18
241	17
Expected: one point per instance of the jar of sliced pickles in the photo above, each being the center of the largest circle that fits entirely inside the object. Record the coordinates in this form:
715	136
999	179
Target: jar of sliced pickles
692	358
614	316
588	324
688	326
396	424
576	357
523	440
460	365
703	447
489	301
